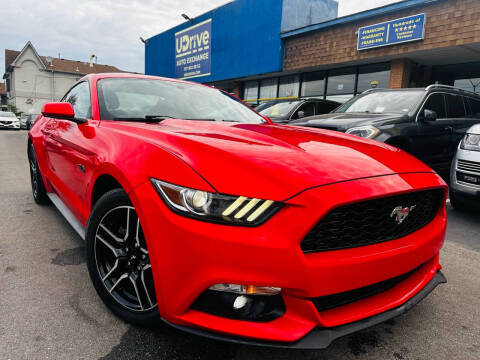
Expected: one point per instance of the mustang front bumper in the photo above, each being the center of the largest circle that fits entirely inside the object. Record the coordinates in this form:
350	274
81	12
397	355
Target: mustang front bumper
188	256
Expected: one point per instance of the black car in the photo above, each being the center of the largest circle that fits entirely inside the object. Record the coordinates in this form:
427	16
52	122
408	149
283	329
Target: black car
428	123
284	111
31	119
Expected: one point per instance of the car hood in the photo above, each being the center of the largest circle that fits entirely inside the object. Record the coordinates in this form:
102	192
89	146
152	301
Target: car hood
2	118
272	161
475	129
344	121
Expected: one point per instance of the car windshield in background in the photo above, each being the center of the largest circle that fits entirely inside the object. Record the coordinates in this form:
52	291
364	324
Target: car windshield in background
279	109
137	99
7	114
382	102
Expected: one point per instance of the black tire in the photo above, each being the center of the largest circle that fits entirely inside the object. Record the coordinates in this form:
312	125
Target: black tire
38	187
457	203
110	262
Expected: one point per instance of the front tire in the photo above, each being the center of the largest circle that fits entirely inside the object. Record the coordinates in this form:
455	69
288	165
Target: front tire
38	187
118	260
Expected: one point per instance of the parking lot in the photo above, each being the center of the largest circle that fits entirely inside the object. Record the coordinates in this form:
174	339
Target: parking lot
49	309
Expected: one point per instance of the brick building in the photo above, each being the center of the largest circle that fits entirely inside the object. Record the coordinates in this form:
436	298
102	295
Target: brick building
322	59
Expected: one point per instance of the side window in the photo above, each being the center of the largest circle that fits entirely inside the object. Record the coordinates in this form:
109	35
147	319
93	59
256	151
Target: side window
455	107
324	108
79	97
307	109
474	107
435	102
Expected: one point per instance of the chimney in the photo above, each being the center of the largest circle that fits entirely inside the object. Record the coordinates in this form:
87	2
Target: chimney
93	56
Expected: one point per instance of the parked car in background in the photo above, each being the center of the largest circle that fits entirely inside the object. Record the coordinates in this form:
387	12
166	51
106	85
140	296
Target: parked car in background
23	121
465	172
284	111
428	123
201	213
31	120
8	120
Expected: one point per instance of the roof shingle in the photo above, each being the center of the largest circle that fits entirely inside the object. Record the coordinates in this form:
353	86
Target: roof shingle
64	65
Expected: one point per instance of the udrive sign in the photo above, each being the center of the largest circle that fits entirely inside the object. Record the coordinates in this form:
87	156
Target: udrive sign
193	50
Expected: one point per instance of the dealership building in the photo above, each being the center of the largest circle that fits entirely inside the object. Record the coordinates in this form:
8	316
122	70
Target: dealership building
277	49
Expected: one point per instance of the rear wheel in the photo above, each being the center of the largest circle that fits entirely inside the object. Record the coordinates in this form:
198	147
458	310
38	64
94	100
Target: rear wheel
118	260
38	188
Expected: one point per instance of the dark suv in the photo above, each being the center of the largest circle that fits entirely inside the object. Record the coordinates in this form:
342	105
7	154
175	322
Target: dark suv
428	123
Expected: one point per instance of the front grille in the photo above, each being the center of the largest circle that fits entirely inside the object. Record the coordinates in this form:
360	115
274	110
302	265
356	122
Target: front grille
469	166
372	221
5	122
323	303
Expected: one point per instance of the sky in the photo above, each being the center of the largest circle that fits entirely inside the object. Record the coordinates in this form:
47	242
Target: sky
109	29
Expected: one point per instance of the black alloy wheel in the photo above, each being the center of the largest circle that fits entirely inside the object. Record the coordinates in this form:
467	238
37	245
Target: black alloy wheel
38	188
118	259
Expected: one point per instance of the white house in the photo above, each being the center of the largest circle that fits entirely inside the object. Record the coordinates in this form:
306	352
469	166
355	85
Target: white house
32	80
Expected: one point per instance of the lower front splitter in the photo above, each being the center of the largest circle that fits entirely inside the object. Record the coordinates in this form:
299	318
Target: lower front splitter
321	338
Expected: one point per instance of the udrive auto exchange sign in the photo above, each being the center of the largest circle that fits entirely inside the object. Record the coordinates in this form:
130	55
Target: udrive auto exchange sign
193	50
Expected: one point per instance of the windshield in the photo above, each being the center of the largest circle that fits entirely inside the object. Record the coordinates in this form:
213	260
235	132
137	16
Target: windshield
382	102
136	99
7	114
279	109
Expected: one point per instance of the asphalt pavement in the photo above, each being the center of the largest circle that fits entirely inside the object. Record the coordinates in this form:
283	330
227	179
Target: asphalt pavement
49	308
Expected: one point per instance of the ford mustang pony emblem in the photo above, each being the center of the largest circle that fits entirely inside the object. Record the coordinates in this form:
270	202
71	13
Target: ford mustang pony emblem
400	213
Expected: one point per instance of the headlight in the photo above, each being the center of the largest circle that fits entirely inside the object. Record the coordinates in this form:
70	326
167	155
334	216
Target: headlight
470	142
368	131
207	206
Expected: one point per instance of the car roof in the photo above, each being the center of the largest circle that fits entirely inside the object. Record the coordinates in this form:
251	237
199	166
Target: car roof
430	88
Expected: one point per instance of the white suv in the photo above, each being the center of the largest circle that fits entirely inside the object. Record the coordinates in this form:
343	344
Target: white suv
8	120
465	171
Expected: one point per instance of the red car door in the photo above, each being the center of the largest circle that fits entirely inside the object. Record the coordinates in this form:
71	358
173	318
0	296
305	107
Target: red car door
72	154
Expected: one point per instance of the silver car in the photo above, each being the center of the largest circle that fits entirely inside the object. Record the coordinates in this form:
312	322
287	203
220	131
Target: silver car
465	171
8	120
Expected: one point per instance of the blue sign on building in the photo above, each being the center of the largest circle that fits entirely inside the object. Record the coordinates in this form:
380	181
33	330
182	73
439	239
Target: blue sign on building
193	51
397	31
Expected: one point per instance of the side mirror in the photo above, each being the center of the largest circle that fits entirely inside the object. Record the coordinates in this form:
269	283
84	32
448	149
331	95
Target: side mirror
429	115
61	110
300	114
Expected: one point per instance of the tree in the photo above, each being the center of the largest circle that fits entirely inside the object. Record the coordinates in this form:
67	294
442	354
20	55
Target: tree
14	109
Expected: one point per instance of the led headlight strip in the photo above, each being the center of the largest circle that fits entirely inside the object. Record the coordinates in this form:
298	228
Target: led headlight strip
239	210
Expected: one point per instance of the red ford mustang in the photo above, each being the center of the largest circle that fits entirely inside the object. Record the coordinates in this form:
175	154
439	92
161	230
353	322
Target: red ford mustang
199	212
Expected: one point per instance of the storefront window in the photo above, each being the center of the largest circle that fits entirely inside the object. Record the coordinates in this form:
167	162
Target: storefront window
313	84
373	76
468	84
251	91
341	82
289	86
268	89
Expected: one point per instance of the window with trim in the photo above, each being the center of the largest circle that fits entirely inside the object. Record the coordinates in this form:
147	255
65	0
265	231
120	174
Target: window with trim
268	88
289	86
474	108
455	107
251	91
435	102
341	82
79	97
373	76
313	84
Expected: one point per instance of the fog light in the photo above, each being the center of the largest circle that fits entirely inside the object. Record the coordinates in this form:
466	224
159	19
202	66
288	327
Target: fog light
247	289
240	302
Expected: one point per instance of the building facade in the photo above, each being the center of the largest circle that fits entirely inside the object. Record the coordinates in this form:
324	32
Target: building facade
3	97
32	80
412	43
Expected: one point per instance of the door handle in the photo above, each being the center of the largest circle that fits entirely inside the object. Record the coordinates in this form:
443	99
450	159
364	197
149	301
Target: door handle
449	128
